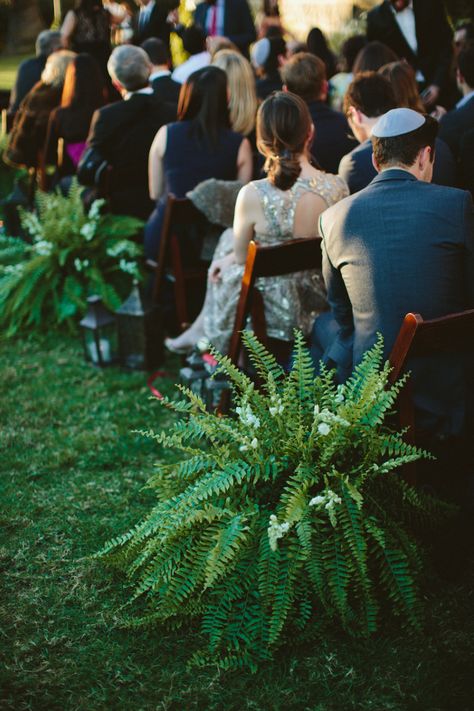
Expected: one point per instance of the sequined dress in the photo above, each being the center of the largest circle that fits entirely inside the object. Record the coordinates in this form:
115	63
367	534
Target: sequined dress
290	301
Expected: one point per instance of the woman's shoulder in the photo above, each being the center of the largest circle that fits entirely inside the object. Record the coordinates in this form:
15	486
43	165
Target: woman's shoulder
331	188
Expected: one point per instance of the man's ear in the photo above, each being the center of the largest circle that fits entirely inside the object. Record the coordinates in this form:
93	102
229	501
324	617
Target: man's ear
284	88
324	90
424	157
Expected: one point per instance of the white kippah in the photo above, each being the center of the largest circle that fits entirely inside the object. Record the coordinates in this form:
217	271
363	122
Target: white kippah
260	52
397	122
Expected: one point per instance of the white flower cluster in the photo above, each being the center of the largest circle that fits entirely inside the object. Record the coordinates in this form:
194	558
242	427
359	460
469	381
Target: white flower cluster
33	225
328	500
121	247
326	419
43	247
276	530
94	212
276	408
247	417
88	231
128	267
252	445
13	268
81	264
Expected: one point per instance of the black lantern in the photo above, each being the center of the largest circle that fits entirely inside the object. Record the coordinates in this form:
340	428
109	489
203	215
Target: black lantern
140	332
99	333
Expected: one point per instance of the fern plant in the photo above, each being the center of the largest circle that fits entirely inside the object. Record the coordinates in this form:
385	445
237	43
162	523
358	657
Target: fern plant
72	254
289	510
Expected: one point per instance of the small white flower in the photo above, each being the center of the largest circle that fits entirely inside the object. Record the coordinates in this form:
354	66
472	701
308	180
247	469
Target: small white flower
276	530
324	429
317	500
128	267
243	448
254	443
316	410
96	206
43	248
88	231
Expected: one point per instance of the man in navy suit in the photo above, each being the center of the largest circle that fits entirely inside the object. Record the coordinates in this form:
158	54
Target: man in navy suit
418	31
305	75
456	123
399	245
153	20
227	18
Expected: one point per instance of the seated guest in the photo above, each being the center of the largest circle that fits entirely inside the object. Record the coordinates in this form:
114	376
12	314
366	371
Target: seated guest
121	133
242	96
84	92
227	18
29	71
268	55
317	44
340	81
401	76
164	87
305	75
463	36
194	43
200	145
368	97
466	163
28	134
373	56
400	245
86	29
455	123
284	205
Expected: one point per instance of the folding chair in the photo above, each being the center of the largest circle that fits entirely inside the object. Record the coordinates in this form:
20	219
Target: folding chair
417	337
180	213
269	261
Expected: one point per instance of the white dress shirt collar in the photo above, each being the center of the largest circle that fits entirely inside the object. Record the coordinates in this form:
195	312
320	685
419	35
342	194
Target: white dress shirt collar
145	90
159	73
465	99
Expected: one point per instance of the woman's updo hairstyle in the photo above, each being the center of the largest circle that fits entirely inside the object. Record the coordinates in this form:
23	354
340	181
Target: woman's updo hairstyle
283	127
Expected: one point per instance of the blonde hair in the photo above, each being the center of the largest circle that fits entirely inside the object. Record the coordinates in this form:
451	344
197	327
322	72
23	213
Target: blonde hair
55	67
241	83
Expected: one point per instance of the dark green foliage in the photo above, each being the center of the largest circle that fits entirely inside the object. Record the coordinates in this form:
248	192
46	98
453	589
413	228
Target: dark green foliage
277	516
73	254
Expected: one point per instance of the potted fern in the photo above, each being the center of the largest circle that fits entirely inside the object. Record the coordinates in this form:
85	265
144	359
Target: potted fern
289	510
72	253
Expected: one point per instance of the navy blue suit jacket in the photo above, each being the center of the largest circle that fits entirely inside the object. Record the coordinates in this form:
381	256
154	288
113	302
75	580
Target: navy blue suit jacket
332	138
455	124
238	22
397	246
358	171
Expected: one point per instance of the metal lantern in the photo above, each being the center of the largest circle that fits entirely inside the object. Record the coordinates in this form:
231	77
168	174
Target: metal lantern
99	333
140	333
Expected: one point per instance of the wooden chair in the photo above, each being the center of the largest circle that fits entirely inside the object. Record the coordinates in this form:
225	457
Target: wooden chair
417	337
180	213
269	261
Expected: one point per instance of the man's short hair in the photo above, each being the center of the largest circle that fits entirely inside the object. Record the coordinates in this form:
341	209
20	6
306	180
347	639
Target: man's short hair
129	66
370	93
47	42
304	75
157	51
194	39
403	150
466	64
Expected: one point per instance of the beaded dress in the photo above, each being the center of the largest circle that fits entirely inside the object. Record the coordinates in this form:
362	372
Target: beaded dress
290	301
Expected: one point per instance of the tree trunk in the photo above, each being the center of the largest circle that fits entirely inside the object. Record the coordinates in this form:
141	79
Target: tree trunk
24	24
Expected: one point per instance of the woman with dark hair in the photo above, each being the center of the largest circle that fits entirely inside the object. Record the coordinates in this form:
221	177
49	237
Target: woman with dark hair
83	93
284	205
340	81
317	44
373	56
200	145
87	29
267	55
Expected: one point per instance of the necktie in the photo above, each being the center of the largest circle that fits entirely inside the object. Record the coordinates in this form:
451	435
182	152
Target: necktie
213	25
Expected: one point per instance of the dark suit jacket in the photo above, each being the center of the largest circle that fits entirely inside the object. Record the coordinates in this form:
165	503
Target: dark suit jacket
166	89
29	73
397	246
433	33
332	138
467	161
455	124
358	171
157	26
238	22
122	133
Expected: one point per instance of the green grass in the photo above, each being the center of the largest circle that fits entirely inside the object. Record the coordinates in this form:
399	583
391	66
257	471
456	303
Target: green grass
8	69
72	476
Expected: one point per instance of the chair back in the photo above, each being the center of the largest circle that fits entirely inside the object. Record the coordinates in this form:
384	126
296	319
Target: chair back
179	213
269	261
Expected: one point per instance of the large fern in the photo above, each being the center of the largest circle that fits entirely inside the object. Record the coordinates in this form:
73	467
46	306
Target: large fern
289	509
73	254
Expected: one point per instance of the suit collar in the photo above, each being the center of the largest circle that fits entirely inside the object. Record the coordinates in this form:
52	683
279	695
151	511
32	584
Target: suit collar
393	174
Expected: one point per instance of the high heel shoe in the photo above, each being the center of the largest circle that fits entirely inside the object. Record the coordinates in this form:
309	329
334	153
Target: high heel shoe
177	350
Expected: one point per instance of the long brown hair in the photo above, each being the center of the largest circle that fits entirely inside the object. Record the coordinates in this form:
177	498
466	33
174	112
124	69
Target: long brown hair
283	127
402	78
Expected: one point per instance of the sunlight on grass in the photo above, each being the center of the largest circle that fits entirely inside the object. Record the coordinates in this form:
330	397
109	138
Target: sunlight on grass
8	69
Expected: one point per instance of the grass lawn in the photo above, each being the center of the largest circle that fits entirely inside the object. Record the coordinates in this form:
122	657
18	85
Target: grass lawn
72	476
8	69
